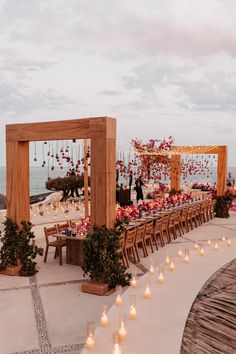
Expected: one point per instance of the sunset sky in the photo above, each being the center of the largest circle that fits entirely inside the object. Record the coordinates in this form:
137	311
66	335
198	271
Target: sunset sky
161	67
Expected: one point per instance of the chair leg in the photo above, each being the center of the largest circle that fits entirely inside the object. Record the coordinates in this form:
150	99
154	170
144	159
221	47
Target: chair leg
161	239
60	255
150	239
55	253
135	251
46	254
126	257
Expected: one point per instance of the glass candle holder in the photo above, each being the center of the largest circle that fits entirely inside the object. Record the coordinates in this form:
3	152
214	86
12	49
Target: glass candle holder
160	278
90	343
151	269
132	307
133	281
118	299
196	246
171	265
116	343
216	246
186	256
147	292
209	242
202	251
223	238
167	260
229	242
104	318
122	328
180	252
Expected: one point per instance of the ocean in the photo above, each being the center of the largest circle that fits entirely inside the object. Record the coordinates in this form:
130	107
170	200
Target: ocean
39	175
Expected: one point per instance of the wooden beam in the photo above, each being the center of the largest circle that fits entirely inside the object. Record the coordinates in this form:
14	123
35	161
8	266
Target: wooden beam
175	175
17	180
222	171
59	130
86	196
181	150
103	178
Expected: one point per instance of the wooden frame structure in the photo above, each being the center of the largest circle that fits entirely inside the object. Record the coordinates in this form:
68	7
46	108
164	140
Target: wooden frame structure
222	153
101	131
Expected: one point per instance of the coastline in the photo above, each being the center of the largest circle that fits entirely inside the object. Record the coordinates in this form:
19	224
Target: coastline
33	199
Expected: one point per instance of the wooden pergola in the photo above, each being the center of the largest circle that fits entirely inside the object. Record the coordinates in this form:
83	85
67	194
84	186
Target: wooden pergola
177	151
220	151
101	131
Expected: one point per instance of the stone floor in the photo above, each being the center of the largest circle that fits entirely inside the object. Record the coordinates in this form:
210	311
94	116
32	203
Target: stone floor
48	313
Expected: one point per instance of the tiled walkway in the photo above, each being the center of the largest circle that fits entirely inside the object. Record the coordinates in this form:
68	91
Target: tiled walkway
48	313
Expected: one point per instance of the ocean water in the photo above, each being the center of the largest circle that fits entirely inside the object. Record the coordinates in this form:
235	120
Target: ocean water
39	175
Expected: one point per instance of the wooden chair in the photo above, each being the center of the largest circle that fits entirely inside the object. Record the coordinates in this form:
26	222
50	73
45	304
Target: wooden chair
57	243
148	235
212	209
140	240
202	212
171	226
121	250
130	244
157	233
165	227
183	221
62	227
190	218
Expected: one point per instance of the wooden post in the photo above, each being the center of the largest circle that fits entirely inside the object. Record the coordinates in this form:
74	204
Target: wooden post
103	178
86	206
175	172
17	181
222	170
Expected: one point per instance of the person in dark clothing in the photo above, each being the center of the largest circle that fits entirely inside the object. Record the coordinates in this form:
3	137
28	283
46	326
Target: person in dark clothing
138	187
130	179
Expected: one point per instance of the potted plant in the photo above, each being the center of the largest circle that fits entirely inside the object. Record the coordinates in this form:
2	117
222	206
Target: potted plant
102	261
223	203
18	249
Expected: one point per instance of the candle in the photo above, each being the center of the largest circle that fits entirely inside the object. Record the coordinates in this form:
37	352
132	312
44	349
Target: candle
167	260
171	266
180	253
132	313
132	308
133	282
147	292
229	242
104	318
186	257
90	343
118	300
223	239
202	252
116	343
161	278
122	329
196	246
209	242
216	246
151	269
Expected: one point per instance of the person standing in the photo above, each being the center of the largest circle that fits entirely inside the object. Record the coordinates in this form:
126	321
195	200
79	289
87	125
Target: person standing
138	187
230	180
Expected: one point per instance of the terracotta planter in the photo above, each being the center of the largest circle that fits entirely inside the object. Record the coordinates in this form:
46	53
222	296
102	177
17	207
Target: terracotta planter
14	270
93	287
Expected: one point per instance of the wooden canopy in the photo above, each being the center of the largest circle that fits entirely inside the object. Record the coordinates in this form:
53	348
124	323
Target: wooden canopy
177	151
101	131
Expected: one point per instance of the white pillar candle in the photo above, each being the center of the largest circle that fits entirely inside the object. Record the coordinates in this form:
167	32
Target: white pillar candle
196	246
147	292
180	253
104	318
223	239
122	329
167	260
209	242
118	300
116	343
90	344
186	257
151	269
229	242
132	313
216	246
161	278
202	252
171	266
133	282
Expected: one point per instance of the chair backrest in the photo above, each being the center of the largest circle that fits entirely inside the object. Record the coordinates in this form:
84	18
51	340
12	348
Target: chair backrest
157	226
140	232
48	231
62	227
165	222
122	239
130	237
149	228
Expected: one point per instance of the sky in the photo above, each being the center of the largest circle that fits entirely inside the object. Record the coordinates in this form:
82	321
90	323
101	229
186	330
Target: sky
161	67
